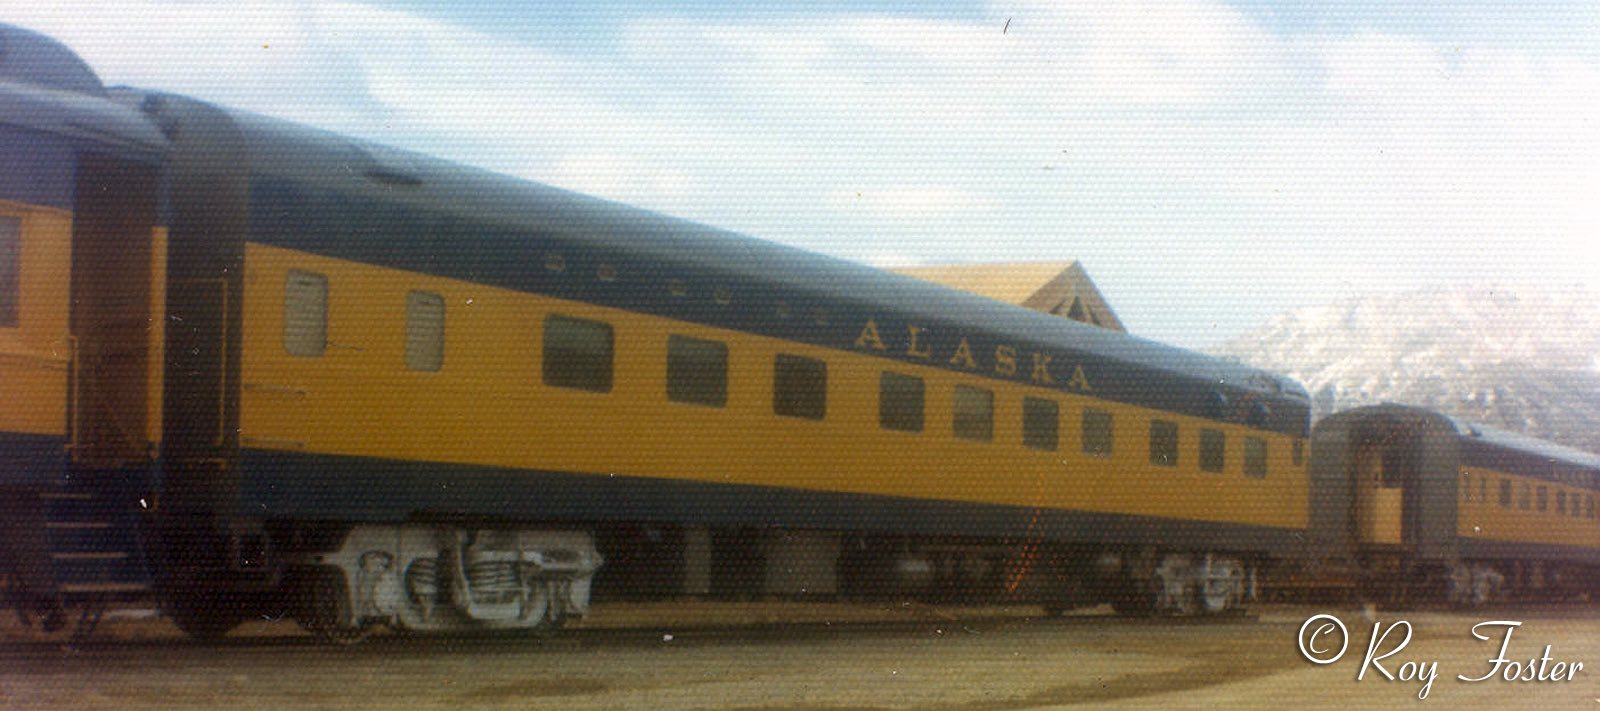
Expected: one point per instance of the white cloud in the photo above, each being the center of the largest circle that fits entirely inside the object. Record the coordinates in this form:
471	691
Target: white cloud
618	175
1175	146
912	203
1143	53
271	56
1381	69
893	260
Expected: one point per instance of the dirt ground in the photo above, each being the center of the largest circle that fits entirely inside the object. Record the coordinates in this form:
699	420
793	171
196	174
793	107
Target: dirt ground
778	656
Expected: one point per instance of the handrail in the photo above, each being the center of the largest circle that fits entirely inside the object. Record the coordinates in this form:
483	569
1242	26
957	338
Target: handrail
75	378
271	442
276	389
37	360
222	369
221	438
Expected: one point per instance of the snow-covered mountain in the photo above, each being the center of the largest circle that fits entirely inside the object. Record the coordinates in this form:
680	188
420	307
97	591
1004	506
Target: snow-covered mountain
1522	359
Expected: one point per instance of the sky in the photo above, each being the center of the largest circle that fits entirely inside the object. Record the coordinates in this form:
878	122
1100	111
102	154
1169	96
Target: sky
1211	164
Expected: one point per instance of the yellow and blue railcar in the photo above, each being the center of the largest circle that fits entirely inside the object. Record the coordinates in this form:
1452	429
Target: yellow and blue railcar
403	373
81	260
1434	506
361	386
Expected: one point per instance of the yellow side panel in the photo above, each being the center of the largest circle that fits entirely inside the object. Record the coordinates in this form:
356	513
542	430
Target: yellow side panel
35	354
487	406
1380	516
1481	514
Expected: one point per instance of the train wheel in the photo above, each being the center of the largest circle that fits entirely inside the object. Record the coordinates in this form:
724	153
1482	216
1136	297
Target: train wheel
549	606
1063	586
324	608
552	622
1222	591
1134	598
204	617
1184	601
1055	609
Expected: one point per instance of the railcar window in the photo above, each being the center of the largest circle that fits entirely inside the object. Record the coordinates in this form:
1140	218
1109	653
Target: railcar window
1097	430
1255	457
1561	502
972	414
1525	497
1466	486
1588	506
1164	443
1213	450
1544	499
697	371
578	353
1041	423
1483	488
1505	493
305	313
1299	452
900	402
10	270
424	331
799	387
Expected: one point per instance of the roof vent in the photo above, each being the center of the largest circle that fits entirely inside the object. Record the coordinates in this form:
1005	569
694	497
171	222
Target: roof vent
387	166
1216	405
1258	415
390	177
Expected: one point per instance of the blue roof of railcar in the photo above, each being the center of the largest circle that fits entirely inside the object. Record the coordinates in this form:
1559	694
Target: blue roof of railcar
45	87
330	162
1479	441
1524	444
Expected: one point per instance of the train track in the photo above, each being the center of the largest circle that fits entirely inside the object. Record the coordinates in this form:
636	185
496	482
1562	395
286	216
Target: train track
941	658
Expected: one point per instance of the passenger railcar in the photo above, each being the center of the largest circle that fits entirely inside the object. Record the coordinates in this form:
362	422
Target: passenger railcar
1432	507
428	365
81	259
379	387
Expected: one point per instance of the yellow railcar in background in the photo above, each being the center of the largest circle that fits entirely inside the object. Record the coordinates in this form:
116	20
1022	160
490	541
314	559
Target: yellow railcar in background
1446	509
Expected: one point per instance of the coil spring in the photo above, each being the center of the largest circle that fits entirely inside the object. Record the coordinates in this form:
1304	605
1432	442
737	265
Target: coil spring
495	581
422	581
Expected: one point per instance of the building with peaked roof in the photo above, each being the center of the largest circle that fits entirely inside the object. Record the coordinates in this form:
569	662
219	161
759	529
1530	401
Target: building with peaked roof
1060	288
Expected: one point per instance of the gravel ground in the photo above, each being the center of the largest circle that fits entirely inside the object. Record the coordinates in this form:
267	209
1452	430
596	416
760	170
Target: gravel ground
777	656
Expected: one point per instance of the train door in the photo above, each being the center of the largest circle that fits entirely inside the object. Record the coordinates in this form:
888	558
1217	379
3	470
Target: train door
1378	499
85	523
109	405
1385	467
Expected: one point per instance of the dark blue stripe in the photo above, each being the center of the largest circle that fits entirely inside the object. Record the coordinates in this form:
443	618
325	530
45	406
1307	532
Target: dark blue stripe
1477	453
32	459
285	485
1476	549
36	168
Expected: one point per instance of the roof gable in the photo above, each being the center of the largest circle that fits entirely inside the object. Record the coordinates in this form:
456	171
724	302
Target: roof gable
1060	288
